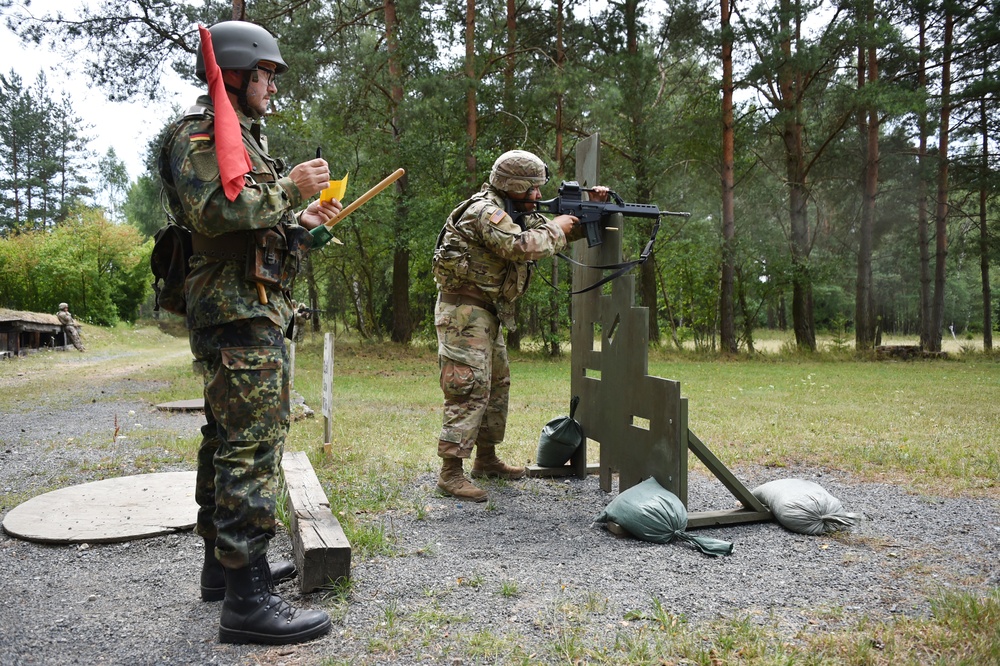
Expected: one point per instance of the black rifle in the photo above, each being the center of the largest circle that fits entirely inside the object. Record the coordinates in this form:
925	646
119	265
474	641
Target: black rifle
591	214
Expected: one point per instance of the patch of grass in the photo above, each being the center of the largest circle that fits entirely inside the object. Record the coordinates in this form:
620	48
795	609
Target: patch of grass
434	592
420	508
436	617
336	594
369	539
492	647
661	618
281	504
474	581
964	629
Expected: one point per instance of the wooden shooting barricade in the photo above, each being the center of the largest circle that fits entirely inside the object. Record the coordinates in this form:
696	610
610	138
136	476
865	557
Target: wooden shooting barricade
640	421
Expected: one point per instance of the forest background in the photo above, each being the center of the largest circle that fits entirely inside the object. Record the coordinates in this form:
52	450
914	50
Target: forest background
838	158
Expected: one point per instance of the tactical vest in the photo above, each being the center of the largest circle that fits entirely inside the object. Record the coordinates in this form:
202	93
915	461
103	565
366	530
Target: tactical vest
461	260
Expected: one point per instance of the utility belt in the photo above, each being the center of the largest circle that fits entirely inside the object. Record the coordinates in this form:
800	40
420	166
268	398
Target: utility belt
227	247
270	257
466	299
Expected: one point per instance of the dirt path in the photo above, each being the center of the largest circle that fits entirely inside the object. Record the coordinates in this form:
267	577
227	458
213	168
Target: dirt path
46	368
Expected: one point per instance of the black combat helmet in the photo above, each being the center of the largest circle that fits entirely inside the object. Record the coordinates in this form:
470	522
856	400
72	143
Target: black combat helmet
241	45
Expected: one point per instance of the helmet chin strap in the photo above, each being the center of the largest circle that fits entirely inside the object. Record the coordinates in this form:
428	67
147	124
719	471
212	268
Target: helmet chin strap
241	95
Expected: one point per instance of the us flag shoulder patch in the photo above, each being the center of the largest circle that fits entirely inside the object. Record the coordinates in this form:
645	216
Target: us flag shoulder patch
497	216
201	136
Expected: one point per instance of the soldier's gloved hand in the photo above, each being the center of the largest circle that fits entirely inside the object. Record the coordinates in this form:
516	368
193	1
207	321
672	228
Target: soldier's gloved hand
321	235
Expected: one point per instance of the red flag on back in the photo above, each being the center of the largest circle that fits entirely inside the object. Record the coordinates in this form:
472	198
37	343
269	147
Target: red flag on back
234	162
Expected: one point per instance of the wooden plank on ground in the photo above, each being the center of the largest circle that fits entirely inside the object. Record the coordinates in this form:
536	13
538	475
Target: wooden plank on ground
322	552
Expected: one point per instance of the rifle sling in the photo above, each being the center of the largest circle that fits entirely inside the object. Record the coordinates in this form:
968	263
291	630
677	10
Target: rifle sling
619	269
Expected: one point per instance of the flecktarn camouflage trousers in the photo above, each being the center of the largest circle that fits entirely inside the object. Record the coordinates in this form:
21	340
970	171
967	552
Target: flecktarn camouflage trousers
475	378
247	415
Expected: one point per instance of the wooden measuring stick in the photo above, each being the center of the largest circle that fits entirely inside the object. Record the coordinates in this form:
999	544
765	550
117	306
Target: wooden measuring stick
357	203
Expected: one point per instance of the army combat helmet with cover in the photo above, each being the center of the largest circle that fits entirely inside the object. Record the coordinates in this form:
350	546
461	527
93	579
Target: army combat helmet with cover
517	171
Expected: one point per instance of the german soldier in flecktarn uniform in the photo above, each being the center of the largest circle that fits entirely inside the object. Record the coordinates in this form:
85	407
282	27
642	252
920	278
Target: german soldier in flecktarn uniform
248	243
482	264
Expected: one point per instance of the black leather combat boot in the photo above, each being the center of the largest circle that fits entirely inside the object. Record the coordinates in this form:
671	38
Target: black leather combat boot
213	574
252	613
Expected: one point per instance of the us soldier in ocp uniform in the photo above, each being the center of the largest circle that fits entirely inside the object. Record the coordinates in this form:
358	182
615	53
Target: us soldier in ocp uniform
238	337
302	317
70	328
482	264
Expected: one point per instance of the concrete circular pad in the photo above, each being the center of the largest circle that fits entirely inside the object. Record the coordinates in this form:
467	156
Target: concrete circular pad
121	509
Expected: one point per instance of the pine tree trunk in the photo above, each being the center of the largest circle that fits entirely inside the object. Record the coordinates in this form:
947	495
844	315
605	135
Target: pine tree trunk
984	234
471	117
941	216
727	323
923	228
402	320
864	302
790	85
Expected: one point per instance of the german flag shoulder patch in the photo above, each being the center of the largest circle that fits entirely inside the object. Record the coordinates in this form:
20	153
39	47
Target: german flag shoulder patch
201	136
497	215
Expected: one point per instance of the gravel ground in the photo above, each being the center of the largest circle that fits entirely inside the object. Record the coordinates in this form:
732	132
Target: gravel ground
460	563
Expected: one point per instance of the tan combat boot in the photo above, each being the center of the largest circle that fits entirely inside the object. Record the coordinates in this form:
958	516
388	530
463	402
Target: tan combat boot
453	482
488	465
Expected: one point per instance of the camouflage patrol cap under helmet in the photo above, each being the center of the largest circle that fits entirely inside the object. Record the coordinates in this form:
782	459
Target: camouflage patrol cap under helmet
518	171
240	45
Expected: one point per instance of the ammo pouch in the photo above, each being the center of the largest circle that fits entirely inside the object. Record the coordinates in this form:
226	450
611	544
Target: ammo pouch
172	251
274	256
265	257
516	280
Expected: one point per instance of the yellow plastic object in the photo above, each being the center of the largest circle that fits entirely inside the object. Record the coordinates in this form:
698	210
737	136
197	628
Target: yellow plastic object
336	190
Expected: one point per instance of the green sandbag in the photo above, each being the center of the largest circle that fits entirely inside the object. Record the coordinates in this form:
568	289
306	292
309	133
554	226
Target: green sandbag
560	438
649	512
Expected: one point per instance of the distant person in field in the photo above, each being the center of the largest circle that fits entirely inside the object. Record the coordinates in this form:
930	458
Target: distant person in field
483	263
248	244
302	315
70	327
